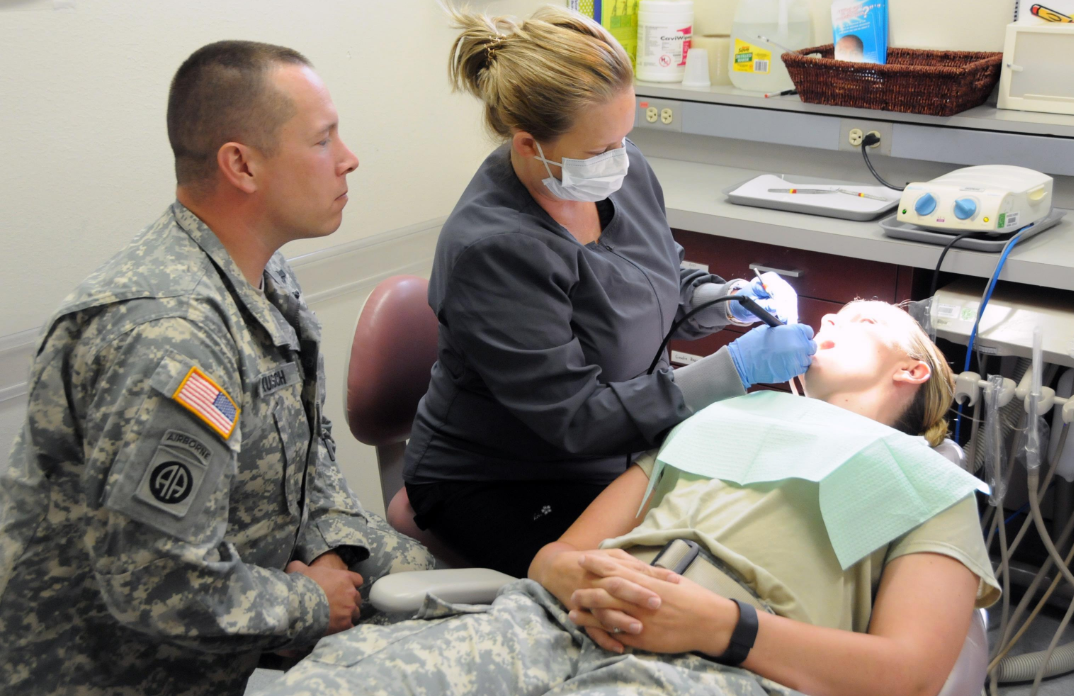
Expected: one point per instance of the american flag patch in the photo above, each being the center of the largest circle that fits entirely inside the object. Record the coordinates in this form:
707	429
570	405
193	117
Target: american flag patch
202	397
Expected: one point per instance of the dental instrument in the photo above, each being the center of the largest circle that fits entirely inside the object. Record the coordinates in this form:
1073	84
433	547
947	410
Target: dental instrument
859	194
744	300
757	272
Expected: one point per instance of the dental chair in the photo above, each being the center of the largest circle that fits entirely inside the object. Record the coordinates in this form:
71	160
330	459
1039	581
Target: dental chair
388	371
406	592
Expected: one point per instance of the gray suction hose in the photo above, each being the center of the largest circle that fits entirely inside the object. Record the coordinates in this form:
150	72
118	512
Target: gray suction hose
1023	668
1033	452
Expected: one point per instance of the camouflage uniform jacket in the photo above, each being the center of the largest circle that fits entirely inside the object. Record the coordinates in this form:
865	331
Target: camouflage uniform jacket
173	460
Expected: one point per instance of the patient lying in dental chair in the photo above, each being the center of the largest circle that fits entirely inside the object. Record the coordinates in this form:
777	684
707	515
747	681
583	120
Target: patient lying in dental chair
596	617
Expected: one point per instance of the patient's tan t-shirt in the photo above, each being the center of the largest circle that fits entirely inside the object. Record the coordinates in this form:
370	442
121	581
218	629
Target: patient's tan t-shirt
774	537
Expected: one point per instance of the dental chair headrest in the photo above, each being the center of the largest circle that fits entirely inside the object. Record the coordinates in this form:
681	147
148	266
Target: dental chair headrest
952	451
393	351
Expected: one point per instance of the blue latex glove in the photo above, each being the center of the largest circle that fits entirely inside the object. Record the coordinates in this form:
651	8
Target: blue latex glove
780	299
769	355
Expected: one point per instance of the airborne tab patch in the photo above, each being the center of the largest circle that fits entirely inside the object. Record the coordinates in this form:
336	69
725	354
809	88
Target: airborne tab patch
205	399
188	444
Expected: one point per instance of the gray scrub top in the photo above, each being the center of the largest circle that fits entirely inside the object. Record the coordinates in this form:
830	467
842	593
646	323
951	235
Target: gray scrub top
544	342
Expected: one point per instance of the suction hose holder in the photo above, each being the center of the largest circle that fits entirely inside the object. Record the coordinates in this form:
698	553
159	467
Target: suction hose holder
1046	400
968	386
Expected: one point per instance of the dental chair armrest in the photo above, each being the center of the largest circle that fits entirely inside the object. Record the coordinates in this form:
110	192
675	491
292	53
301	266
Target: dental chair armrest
405	592
968	676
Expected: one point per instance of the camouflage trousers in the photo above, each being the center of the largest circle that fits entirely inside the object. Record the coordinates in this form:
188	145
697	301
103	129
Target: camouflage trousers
104	657
522	644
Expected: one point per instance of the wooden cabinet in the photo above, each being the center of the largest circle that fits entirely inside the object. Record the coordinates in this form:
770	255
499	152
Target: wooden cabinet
824	282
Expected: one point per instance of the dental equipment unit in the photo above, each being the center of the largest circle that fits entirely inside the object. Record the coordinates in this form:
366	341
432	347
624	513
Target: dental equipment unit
1014	328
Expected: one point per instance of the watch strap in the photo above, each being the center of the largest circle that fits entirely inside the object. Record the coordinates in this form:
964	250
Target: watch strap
743	637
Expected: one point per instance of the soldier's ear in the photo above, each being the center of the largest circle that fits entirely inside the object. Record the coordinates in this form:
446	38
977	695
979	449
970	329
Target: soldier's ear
236	164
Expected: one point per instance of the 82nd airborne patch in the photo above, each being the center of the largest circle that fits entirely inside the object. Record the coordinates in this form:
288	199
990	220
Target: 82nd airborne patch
174	475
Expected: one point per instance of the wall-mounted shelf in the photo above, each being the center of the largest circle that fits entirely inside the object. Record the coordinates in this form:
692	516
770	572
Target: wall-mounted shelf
983	135
694	200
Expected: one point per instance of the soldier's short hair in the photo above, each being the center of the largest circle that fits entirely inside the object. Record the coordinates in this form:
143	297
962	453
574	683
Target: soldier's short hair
222	93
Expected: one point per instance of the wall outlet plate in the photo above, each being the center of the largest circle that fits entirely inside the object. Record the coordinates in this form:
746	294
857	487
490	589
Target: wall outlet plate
884	128
667	111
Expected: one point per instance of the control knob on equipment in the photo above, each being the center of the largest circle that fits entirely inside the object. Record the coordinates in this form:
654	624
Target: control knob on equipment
965	208
925	205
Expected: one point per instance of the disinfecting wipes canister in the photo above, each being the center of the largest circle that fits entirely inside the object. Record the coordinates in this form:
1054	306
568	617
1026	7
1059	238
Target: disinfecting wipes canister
665	28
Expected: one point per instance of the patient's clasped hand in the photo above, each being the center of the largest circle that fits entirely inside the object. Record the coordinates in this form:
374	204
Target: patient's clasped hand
891	621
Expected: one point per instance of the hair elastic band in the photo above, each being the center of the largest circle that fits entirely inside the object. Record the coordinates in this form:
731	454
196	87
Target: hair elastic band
490	49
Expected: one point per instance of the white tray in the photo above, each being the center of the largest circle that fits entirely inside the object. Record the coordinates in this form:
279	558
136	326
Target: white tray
754	192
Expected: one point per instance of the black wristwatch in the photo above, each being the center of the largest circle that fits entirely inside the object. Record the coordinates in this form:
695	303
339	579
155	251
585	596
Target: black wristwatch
742	637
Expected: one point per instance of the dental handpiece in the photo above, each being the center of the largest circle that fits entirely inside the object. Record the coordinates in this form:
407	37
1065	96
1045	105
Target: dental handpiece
757	311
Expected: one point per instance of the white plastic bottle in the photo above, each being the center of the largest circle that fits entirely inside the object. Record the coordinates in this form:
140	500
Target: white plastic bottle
665	28
756	65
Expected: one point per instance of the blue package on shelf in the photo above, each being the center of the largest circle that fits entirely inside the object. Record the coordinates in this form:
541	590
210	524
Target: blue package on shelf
860	30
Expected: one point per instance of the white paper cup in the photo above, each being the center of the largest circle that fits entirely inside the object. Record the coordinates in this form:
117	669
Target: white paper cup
719	48
697	68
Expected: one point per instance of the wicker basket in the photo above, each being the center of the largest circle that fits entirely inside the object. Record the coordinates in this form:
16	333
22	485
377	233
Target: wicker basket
937	83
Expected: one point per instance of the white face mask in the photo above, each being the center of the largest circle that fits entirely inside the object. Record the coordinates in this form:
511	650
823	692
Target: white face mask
588	180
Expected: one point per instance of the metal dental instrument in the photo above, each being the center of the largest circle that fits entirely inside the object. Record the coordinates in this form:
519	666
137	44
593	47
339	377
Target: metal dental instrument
857	194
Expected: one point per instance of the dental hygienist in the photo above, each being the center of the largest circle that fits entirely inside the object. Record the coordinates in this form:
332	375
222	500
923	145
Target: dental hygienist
555	280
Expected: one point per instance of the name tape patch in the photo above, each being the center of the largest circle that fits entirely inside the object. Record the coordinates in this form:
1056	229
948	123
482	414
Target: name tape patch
274	380
200	395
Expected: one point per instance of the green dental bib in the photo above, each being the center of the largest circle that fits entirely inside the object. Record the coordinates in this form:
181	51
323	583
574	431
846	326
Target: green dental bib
875	483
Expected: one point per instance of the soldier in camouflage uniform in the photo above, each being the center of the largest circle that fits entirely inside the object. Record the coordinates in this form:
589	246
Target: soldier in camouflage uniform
175	460
523	643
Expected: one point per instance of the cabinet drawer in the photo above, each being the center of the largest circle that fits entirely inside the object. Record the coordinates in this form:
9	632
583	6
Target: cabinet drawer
821	276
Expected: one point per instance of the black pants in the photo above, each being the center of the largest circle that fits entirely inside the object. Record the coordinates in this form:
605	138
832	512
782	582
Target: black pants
503	524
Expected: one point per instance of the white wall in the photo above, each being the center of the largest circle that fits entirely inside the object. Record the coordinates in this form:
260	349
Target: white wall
961	25
83	146
84	157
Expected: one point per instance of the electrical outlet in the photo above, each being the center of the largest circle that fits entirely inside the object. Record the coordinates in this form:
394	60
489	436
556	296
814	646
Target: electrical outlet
880	139
852	131
661	114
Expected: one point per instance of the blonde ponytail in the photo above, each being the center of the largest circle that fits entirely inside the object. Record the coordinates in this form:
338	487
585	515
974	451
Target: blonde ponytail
536	76
937	432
